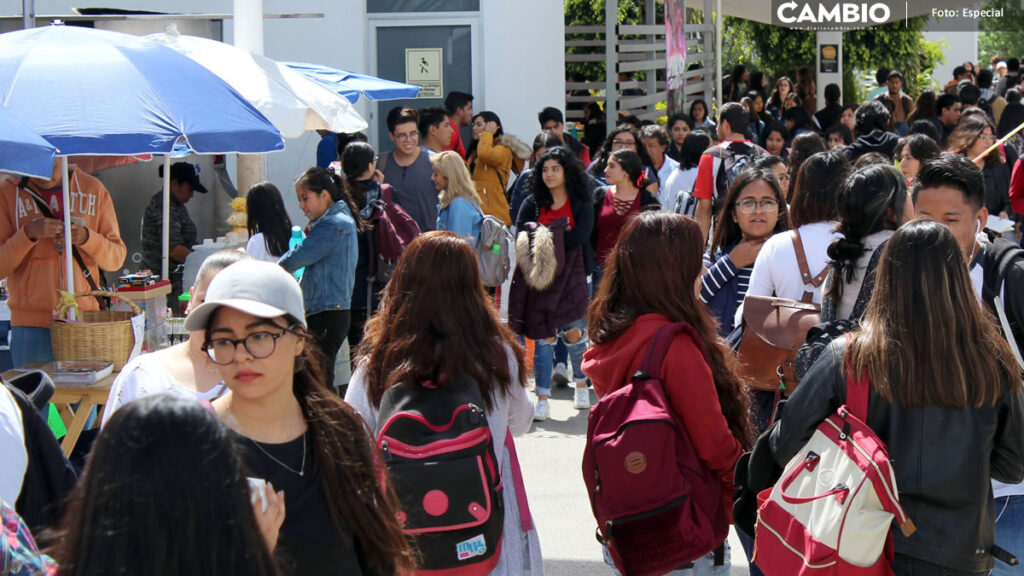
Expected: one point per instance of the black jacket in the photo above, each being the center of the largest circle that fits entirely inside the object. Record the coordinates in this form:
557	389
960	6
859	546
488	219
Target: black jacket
943	458
877	141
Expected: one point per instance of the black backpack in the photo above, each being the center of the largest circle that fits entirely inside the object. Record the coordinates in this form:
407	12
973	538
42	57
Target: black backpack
1002	255
440	455
729	165
831	327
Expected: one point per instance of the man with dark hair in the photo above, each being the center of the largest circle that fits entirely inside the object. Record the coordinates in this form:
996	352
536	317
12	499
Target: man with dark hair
460	113
927	128
829	115
720	164
960	73
902	106
950	189
947	115
988	101
882	79
656	140
435	129
408	170
551	120
871	122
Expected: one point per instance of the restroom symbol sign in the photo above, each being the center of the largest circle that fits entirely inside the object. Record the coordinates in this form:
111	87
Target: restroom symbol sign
424	67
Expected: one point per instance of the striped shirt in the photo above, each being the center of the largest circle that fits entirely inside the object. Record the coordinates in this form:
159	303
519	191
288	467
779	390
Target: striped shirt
721	273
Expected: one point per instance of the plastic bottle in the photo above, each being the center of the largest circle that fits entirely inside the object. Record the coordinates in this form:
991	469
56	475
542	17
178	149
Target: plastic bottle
293	243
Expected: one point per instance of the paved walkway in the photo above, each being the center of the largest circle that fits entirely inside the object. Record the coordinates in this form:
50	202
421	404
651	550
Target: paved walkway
551	455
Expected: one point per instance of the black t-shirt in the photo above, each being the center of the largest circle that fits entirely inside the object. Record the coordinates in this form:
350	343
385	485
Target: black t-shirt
308	542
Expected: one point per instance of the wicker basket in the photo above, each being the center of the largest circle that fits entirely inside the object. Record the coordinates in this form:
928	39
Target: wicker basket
102	335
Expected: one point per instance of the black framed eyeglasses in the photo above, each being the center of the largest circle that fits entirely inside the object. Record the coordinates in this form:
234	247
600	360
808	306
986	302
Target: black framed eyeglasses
258	344
749	206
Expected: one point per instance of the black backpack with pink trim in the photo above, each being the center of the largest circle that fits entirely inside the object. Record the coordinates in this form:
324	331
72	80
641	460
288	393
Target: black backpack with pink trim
439	453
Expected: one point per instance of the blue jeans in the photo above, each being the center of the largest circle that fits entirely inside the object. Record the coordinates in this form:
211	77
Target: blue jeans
748	550
1009	532
543	357
30	344
703	566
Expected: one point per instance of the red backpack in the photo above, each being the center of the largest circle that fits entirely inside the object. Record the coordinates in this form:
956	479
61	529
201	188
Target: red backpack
657	506
831	512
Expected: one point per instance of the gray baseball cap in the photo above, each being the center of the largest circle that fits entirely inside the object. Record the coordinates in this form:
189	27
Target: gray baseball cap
262	289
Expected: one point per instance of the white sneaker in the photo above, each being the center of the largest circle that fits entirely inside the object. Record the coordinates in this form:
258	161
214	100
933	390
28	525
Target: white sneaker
581	399
561	376
542	411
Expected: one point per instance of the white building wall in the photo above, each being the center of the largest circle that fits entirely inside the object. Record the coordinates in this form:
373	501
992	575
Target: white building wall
523	62
958	47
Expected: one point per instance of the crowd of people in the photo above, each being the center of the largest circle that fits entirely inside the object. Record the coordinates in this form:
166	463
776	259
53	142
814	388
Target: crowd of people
875	215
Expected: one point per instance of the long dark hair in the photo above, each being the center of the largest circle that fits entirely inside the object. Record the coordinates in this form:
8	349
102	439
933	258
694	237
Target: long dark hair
728	231
164	493
652	269
872	199
487	116
817	183
435	322
597	168
952	356
694	145
577	185
354	161
266	214
317	179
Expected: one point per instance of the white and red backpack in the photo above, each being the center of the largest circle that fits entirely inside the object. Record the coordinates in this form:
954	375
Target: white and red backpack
832	511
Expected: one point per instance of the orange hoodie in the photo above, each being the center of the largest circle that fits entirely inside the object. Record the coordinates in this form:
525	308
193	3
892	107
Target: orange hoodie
35	269
689	386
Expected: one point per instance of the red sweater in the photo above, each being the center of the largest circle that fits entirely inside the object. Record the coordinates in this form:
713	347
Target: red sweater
689	387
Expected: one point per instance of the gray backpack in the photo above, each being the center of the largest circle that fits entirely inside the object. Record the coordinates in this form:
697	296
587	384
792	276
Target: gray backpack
493	251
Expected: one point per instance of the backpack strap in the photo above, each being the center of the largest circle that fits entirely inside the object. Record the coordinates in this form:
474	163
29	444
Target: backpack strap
805	271
858	390
867	286
662	341
525	517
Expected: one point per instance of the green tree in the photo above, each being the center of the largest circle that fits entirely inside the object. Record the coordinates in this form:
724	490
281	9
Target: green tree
781	51
1004	36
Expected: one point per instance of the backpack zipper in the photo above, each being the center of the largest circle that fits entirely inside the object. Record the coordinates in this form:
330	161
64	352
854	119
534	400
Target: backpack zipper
643	515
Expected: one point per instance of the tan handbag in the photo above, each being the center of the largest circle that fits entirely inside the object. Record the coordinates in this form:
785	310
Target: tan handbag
775	328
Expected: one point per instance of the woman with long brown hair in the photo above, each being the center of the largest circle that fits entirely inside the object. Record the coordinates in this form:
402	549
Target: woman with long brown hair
294	432
945	397
972	136
651	280
436	323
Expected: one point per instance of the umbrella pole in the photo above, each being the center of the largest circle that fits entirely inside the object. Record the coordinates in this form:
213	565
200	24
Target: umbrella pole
164	265
69	270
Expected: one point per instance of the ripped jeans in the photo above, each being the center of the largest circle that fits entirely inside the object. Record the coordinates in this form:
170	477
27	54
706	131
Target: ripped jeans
543	356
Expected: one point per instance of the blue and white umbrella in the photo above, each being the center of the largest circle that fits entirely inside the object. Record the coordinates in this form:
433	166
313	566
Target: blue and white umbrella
351	85
89	91
22	151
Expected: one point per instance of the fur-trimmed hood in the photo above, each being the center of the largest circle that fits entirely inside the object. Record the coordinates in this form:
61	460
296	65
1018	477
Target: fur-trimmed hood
521	149
538	261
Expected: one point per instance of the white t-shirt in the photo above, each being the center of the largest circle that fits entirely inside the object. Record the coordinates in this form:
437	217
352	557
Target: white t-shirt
12	448
143	377
776	271
667	169
679	181
851	291
257	248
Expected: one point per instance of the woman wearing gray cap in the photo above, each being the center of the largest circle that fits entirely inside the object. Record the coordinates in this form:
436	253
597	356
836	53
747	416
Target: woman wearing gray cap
297	435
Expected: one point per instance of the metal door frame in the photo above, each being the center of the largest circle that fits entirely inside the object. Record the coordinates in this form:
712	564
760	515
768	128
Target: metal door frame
422	19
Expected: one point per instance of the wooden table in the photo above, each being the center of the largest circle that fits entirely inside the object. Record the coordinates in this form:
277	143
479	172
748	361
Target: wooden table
65	395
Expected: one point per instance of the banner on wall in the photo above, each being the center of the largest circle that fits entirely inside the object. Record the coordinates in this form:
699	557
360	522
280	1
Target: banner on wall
675	53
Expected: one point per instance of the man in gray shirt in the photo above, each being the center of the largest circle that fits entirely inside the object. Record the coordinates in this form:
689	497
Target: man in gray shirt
407	168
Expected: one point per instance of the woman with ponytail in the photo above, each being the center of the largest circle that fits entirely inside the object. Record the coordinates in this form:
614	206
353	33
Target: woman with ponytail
614	204
872	204
295	433
357	164
329	254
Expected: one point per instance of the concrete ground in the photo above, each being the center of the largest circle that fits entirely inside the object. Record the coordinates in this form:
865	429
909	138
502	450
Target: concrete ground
551	456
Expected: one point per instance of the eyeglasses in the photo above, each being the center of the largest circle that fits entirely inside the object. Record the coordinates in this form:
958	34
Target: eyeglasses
409	136
258	344
620	142
750	206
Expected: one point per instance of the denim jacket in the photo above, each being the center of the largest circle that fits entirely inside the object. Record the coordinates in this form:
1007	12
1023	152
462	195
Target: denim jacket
461	217
329	254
